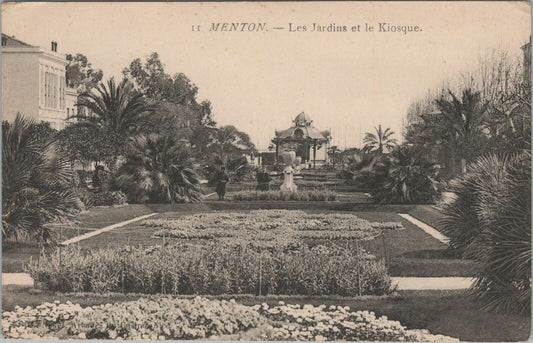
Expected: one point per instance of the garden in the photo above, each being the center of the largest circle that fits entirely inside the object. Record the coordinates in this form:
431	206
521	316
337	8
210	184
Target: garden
163	317
316	264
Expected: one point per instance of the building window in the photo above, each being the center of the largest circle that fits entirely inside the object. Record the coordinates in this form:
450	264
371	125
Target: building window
46	90
41	87
62	92
4	41
54	91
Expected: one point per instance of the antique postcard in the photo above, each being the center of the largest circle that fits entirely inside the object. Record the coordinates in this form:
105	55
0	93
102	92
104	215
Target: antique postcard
266	171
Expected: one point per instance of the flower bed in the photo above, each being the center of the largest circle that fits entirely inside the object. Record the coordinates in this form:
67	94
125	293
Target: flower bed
155	319
214	268
269	225
310	323
160	318
302	195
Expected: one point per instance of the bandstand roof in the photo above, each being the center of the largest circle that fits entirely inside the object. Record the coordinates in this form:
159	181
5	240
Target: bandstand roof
303	123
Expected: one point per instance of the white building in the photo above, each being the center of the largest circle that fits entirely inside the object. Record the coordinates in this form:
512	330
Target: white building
33	83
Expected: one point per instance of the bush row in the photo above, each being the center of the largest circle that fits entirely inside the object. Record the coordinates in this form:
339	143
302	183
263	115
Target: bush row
303	195
105	198
213	269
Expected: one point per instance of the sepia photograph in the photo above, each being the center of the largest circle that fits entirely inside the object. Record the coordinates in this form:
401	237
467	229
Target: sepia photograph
266	171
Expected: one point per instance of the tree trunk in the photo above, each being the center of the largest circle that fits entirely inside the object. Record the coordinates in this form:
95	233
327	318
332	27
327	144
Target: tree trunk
451	159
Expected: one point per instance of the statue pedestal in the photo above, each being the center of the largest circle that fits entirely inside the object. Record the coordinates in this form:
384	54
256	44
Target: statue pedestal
288	180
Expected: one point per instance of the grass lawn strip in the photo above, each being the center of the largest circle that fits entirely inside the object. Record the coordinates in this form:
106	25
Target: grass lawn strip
410	252
105	229
427	214
16	254
428	229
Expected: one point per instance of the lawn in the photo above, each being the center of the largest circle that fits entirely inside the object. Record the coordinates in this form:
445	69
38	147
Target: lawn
441	312
408	252
412	252
429	215
15	254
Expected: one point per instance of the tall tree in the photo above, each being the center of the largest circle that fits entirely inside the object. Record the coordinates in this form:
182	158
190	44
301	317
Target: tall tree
179	109
81	74
462	124
116	107
90	143
152	81
227	141
380	141
228	147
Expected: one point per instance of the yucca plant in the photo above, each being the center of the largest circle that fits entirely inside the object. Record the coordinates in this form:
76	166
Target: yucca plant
158	168
36	183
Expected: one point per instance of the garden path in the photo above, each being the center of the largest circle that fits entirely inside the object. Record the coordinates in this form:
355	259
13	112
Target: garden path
432	283
404	283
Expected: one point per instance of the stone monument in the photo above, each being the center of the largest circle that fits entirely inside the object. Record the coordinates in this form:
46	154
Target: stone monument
288	173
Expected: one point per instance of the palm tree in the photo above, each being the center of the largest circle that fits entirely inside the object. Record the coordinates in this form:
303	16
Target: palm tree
227	142
462	122
228	147
489	222
410	178
36	183
117	107
158	168
380	141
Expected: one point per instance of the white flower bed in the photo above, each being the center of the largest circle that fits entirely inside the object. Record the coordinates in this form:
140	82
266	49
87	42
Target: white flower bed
160	318
307	322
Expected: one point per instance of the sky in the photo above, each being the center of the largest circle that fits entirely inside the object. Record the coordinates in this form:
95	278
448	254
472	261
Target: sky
348	82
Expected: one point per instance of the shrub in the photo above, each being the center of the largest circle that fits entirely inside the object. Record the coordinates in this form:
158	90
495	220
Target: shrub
387	225
36	182
489	221
304	195
158	169
502	250
461	215
213	269
107	199
84	176
408	178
